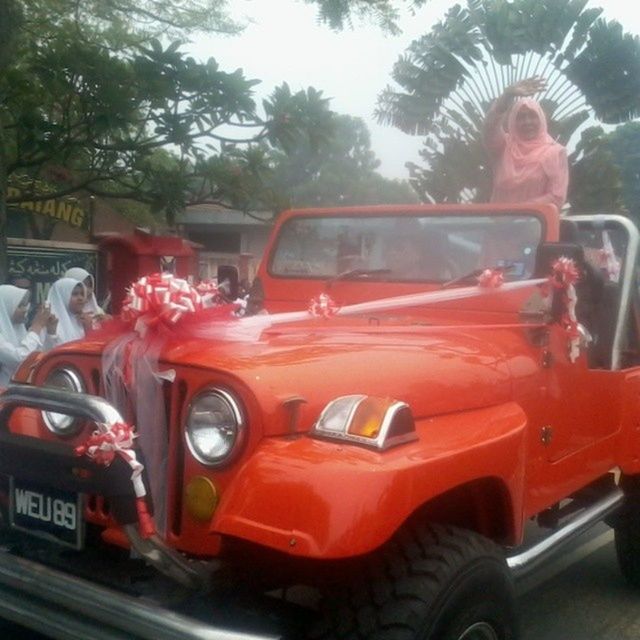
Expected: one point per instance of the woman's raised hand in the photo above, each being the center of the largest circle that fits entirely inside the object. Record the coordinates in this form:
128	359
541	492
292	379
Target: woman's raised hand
526	87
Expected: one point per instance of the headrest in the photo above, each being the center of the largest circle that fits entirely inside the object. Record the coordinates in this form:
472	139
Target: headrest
569	231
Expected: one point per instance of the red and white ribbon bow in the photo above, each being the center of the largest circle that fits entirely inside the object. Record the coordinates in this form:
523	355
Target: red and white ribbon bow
610	261
161	297
564	275
103	446
323	306
491	278
210	293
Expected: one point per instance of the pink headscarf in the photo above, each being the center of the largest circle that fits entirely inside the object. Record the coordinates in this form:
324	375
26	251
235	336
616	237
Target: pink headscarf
530	169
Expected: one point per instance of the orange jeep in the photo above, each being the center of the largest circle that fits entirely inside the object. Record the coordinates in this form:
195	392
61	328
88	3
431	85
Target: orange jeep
428	380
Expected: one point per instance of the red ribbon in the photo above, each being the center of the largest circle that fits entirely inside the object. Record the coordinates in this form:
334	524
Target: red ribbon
323	306
208	288
103	446
159	307
491	278
564	275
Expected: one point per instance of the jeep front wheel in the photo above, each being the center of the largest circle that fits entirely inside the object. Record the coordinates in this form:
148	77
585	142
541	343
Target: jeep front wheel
428	583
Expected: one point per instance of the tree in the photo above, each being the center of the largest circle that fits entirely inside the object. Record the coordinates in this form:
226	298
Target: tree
82	115
624	144
151	18
596	180
93	94
339	13
11	19
100	118
341	170
448	78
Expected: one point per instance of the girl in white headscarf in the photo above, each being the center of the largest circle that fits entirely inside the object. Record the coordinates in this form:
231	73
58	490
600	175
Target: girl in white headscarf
66	300
16	343
91	304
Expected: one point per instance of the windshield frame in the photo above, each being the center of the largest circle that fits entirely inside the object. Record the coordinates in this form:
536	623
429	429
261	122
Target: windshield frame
348	213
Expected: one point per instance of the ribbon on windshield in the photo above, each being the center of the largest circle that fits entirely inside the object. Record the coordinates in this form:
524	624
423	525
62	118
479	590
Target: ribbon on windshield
491	278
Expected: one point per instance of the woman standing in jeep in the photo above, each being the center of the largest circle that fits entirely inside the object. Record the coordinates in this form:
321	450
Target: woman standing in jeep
528	165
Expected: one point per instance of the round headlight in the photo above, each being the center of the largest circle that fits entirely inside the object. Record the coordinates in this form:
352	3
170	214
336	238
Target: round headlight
66	380
215	427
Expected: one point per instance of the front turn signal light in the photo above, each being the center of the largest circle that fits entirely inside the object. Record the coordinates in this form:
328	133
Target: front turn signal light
380	423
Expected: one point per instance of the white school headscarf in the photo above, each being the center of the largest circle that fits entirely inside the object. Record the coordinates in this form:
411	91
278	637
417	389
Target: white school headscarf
69	327
80	274
10	299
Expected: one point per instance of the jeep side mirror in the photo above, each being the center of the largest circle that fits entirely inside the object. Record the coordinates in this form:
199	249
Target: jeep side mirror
549	252
228	280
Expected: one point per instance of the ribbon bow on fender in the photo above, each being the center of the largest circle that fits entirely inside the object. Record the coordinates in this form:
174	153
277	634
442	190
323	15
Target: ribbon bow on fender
103	446
157	308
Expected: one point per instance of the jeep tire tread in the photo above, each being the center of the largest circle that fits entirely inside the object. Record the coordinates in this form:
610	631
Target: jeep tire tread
627	539
428	583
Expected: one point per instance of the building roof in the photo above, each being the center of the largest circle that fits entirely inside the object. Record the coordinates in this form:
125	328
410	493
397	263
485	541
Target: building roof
142	243
208	214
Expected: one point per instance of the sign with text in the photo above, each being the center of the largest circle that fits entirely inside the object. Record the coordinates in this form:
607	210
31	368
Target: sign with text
37	267
67	210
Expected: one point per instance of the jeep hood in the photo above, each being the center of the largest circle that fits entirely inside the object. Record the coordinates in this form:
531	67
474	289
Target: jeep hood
435	370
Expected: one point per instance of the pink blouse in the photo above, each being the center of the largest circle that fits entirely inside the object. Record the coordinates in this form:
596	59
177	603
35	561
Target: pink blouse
533	171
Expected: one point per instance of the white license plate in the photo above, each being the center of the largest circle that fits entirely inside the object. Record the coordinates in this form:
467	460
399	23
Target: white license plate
46	512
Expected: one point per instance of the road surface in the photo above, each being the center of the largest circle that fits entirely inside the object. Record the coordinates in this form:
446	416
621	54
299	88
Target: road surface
588	600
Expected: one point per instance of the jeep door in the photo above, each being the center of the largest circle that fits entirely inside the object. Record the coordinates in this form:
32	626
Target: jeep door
583	397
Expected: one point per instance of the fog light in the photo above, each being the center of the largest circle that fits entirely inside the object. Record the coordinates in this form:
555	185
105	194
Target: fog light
201	498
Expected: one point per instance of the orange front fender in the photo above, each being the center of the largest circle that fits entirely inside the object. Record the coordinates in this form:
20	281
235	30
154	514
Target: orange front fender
325	499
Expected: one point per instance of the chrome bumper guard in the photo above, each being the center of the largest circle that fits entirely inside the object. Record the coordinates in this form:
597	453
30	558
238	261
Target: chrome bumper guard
68	608
95	409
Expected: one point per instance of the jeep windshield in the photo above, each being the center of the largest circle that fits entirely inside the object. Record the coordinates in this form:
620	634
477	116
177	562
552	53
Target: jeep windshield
406	248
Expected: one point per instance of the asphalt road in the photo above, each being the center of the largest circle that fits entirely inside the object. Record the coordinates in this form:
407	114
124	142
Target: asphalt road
588	600
578	596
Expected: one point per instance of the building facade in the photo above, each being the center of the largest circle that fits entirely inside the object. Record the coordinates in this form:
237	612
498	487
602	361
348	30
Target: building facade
226	237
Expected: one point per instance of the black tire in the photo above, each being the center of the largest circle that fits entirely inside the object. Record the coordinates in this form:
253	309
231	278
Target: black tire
429	583
627	539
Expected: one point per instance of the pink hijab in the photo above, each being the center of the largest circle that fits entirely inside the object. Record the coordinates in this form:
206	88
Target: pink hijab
530	170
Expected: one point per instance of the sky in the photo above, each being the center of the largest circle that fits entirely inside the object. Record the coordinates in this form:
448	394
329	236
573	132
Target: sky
283	41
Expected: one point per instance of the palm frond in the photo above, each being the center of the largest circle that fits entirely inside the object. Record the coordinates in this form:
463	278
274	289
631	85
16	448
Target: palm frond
448	77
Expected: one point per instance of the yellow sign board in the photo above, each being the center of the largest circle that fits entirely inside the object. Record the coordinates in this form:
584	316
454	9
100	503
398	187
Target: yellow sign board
68	211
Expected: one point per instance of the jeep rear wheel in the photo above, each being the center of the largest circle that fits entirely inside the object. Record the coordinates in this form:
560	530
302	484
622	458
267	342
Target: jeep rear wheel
626	525
429	583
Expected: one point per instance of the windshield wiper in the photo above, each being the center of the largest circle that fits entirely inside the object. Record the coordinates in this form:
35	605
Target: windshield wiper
356	274
473	276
